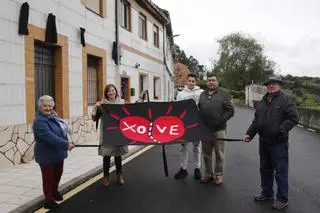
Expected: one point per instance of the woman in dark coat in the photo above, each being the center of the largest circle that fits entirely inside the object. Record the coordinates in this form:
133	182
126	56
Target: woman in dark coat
51	147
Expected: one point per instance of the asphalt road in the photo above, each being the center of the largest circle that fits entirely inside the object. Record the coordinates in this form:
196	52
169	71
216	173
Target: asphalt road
147	190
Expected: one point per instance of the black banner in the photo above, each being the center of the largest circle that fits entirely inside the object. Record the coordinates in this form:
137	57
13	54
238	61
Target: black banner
153	123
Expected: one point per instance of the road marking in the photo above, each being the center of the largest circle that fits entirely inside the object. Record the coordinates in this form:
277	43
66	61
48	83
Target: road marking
300	126
94	179
312	130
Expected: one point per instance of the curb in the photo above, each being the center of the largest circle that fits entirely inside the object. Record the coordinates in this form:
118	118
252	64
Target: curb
38	202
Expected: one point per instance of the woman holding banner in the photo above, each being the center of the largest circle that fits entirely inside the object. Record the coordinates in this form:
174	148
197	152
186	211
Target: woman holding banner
111	96
51	147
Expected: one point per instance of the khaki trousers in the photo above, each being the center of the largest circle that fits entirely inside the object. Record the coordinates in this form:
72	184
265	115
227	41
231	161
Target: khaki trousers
219	149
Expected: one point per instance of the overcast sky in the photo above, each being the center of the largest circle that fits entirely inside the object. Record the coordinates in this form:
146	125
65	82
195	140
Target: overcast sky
288	29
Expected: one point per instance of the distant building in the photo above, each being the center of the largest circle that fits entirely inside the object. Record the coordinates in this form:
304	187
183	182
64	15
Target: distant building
254	94
128	43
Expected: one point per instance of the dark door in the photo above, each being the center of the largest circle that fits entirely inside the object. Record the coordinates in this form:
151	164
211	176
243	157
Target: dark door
44	58
92	79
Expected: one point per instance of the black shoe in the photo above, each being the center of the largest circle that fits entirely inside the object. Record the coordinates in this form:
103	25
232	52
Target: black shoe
58	196
182	173
278	204
51	205
197	174
262	197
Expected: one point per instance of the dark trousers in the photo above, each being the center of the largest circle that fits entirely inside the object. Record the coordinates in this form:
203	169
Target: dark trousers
274	162
51	175
106	164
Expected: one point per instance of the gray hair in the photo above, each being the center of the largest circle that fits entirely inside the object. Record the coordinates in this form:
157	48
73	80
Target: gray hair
45	98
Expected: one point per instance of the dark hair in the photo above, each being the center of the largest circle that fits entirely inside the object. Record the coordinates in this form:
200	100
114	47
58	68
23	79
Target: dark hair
211	74
192	75
107	88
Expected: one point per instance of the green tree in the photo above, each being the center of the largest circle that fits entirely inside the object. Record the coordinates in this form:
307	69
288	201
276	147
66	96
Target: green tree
191	62
241	61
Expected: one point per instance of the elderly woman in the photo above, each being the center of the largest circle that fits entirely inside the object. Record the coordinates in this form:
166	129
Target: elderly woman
51	146
110	97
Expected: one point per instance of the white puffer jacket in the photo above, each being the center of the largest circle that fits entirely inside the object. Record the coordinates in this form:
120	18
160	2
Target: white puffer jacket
187	93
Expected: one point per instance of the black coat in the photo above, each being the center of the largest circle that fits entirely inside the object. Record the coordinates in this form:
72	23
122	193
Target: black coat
274	119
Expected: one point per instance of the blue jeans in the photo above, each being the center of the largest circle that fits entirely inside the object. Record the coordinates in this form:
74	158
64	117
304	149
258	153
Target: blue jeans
274	162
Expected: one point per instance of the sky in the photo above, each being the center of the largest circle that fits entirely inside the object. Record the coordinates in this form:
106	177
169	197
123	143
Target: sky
288	29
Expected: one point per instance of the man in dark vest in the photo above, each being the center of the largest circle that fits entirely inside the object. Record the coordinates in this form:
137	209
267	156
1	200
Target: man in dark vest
275	116
215	109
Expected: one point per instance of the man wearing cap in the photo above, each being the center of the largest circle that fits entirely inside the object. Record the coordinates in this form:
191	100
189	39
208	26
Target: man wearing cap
275	116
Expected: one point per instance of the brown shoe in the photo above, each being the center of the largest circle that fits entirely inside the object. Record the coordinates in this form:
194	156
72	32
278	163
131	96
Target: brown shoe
105	181
207	179
218	180
120	180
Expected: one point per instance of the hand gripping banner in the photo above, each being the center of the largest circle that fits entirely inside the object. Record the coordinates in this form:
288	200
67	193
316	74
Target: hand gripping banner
153	123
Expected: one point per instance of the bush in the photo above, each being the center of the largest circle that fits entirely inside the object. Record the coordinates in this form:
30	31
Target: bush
238	94
238	101
307	101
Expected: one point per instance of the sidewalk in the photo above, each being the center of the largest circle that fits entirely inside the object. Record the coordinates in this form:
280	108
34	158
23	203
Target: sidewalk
21	185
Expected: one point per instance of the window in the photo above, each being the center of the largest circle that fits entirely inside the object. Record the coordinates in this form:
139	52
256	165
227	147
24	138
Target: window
141	86
93	75
156	88
142	26
125	15
44	57
156	35
96	6
143	82
125	89
92	80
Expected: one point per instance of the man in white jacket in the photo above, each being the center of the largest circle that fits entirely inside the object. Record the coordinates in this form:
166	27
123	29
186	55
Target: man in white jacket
191	91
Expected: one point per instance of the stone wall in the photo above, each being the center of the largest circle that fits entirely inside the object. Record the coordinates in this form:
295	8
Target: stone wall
310	118
17	141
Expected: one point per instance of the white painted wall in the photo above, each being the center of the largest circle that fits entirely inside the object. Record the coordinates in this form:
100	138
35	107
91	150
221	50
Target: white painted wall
70	16
254	93
12	76
100	32
129	59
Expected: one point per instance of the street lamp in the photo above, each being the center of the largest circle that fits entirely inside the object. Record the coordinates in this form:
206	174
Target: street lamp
174	36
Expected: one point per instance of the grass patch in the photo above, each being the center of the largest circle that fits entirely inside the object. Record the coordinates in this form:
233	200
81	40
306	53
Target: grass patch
238	101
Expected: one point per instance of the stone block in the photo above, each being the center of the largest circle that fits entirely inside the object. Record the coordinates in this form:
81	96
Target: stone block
22	146
90	137
6	147
29	138
30	128
82	122
80	140
76	126
75	138
29	154
4	162
16	129
5	135
17	158
22	130
14	138
9	154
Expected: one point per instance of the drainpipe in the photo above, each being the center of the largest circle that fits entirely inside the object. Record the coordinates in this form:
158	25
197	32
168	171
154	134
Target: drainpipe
164	62
166	68
117	70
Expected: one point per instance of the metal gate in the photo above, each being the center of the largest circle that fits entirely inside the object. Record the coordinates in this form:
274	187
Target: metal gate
92	79
44	58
